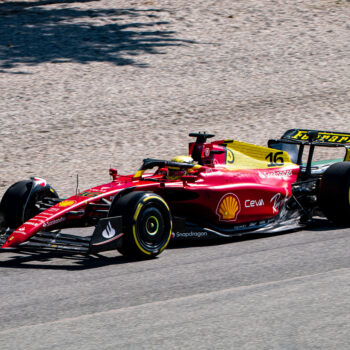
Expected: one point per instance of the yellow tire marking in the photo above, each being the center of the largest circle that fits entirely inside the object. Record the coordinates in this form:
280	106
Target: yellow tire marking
134	225
159	198
137	212
137	241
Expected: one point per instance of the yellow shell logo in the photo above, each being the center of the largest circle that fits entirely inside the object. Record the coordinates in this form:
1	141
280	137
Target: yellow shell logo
66	203
228	207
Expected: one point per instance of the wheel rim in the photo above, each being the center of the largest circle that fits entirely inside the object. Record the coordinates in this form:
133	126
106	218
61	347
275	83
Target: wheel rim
152	225
151	228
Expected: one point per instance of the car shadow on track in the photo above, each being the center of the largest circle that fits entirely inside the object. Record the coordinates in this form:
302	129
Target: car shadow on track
70	262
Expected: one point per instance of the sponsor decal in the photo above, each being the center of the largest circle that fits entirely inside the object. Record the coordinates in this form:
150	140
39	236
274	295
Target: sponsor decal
275	174
90	194
53	222
251	203
275	158
229	207
278	201
109	231
324	137
21	229
65	203
190	234
230	157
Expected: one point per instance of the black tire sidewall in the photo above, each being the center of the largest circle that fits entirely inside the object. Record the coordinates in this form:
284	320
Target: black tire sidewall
153	207
134	207
18	202
13	203
334	193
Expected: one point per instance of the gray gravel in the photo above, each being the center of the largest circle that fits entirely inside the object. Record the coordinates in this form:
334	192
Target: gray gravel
89	84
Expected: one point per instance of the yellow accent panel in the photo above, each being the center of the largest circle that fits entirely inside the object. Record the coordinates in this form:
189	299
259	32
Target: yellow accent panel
241	155
347	155
138	174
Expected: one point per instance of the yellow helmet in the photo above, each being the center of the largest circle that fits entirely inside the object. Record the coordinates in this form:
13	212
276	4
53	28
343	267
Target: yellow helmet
182	159
174	172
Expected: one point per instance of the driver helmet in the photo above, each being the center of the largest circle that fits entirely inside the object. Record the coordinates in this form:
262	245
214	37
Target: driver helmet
175	173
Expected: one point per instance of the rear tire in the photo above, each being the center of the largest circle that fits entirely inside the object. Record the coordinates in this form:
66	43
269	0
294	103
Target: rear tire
334	196
147	224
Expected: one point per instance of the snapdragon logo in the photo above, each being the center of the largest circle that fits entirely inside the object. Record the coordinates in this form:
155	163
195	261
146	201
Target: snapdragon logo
190	234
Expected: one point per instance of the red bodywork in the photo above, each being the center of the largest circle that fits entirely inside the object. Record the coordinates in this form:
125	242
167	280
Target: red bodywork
215	193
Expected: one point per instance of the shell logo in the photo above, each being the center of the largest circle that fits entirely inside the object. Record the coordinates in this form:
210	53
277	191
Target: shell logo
229	207
66	203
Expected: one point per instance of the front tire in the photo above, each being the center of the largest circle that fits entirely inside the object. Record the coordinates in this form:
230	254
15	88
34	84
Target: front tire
18	203
147	224
334	196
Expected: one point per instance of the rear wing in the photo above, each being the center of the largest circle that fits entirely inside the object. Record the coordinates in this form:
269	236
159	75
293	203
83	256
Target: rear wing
294	140
326	138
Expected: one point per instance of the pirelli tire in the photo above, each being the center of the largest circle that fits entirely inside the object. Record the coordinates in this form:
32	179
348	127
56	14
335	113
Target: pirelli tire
147	224
18	203
334	194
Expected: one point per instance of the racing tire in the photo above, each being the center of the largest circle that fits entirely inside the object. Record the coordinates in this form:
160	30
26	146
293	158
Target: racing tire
334	194
147	224
18	203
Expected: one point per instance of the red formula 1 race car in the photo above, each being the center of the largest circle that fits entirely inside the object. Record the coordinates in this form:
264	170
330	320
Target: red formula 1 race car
222	189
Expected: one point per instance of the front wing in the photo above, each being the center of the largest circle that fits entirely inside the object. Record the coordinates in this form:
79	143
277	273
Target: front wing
106	236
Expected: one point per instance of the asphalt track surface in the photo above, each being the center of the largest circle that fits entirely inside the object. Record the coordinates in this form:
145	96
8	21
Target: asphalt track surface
287	291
